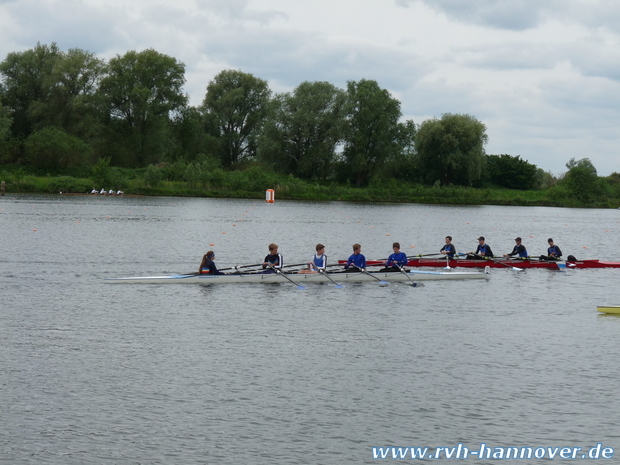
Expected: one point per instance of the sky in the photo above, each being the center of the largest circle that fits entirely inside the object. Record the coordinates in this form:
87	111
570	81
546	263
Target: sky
542	75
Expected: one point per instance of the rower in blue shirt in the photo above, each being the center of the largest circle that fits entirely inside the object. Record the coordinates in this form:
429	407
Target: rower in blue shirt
553	252
318	262
395	260
449	250
518	249
357	261
483	251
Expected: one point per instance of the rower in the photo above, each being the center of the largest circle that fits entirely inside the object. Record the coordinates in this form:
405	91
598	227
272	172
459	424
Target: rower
273	261
207	265
357	259
318	262
396	260
483	251
518	249
449	250
553	252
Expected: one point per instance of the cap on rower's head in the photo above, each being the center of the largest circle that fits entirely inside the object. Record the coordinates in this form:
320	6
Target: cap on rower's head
481	238
549	240
518	239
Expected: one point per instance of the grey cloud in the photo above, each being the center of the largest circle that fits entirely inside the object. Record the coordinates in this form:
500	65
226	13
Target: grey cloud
515	15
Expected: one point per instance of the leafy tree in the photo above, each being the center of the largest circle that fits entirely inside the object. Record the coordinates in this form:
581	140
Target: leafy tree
141	91
373	134
306	125
511	172
71	102
53	148
194	134
5	130
27	82
451	149
582	180
236	102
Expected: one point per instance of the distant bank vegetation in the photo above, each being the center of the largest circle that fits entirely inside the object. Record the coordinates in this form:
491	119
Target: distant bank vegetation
71	122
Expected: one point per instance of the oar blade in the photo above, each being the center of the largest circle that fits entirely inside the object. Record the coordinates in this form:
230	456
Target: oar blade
338	286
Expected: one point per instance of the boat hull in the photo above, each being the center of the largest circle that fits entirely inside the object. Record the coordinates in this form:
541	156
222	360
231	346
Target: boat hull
611	309
302	278
464	263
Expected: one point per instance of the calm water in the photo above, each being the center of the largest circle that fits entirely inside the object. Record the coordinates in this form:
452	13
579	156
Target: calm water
268	374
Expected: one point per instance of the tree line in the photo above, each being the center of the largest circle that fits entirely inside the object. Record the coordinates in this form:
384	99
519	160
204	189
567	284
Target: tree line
65	109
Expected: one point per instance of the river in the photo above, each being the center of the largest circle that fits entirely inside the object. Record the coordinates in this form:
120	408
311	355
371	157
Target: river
96	373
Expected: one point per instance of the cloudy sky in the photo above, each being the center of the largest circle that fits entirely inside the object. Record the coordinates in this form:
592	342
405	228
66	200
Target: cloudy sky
542	75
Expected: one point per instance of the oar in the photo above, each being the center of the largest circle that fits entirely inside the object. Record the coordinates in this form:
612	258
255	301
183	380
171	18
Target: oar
324	273
284	276
501	263
381	282
240	266
423	255
414	284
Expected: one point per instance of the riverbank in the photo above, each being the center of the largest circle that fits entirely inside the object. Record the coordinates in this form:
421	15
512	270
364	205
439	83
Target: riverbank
252	184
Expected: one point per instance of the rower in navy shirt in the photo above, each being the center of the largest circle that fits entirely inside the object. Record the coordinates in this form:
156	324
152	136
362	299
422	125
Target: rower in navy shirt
449	248
518	249
273	261
357	261
553	252
207	266
483	251
395	260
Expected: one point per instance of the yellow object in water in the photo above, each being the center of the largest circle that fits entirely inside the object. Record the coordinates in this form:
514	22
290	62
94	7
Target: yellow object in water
609	309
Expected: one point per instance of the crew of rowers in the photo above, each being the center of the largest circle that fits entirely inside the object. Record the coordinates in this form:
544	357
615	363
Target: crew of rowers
273	262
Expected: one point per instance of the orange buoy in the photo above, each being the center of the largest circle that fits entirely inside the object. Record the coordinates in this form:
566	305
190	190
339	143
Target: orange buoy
270	196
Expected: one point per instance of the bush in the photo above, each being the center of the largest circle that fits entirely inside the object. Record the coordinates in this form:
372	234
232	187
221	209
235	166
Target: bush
52	148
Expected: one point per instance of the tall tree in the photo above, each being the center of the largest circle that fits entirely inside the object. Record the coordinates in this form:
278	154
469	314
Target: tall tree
141	91
27	83
373	132
301	135
451	149
237	103
71	103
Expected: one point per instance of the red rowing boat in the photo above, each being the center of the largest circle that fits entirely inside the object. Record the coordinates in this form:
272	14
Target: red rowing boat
497	263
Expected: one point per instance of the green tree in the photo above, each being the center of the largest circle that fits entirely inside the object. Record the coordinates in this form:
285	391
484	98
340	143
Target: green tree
141	91
451	149
511	172
52	148
27	83
71	102
5	130
582	180
373	134
301	135
236	102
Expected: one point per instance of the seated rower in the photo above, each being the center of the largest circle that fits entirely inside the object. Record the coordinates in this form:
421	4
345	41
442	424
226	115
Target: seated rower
553	252
448	250
395	260
518	249
273	261
357	261
207	265
483	251
319	261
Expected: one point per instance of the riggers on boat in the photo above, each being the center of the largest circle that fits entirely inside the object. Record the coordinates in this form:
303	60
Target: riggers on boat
303	278
499	263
